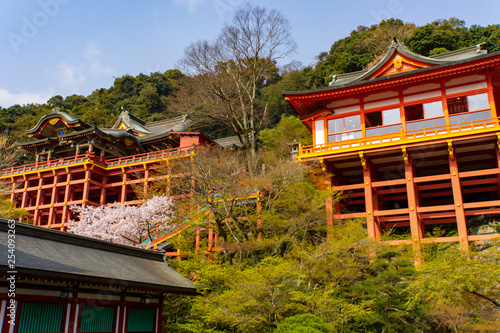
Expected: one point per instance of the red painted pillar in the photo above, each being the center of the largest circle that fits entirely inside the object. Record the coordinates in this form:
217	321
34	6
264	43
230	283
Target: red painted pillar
52	200
197	242
123	196
36	217
327	186
457	198
369	200
417	230
86	188
102	198
67	190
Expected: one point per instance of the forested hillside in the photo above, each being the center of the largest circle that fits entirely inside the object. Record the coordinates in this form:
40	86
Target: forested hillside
273	267
157	96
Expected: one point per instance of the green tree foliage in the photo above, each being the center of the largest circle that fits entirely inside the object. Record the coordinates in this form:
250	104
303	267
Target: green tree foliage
8	156
452	34
303	323
353	53
279	138
314	286
146	96
461	290
243	202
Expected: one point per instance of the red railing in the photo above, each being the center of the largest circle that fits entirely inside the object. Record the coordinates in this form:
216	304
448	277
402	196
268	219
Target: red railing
89	157
414	135
40	166
149	157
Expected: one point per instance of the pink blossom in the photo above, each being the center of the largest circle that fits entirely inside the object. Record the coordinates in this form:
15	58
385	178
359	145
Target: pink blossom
124	224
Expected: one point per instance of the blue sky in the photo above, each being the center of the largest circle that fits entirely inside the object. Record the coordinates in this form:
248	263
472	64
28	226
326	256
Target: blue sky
64	47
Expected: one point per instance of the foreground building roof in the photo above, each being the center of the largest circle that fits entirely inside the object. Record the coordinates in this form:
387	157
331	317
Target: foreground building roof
45	253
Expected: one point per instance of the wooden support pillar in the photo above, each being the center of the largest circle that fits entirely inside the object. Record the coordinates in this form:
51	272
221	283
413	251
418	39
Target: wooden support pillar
24	196
327	184
169	179
12	190
52	201
416	228
258	211
444	104
36	216
102	198
179	247
25	192
146	177
67	196
86	187
123	196
491	97
122	313
498	164
210	239
73	308
197	241
329	211
369	199
457	198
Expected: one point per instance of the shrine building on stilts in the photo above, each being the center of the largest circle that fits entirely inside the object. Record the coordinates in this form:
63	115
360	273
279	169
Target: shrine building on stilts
81	164
412	143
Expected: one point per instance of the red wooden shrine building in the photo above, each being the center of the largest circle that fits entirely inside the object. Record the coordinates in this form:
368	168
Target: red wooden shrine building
60	282
413	143
80	164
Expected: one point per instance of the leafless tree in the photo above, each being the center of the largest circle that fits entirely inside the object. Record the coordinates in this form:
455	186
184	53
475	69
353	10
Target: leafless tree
226	74
218	191
8	157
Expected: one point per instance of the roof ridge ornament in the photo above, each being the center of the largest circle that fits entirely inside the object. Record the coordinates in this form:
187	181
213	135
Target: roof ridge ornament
334	79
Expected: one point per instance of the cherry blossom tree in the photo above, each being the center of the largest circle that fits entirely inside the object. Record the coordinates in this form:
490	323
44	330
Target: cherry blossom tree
130	225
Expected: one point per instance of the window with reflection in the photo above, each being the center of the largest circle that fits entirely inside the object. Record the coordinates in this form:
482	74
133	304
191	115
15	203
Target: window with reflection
478	102
347	128
383	122
433	109
467	103
424	111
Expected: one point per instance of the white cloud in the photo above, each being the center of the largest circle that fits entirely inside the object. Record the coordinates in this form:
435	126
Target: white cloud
69	76
191	4
8	98
92	54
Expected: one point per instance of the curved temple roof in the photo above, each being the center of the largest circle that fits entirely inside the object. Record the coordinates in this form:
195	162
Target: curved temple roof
397	63
128	129
68	119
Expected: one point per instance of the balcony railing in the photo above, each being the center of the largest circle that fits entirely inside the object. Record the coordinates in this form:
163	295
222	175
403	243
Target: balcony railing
148	157
454	129
89	157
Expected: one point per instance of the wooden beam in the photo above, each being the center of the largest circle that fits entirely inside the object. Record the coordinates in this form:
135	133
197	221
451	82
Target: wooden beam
395	218
369	204
391	212
349	216
434	178
392	182
457	198
475	173
416	228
